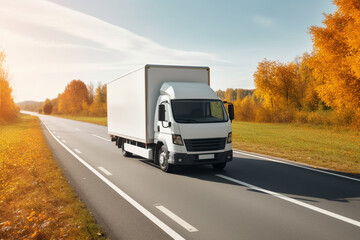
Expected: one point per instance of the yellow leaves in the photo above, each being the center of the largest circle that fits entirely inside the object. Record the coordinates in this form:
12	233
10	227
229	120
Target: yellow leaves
336	63
70	101
8	109
35	199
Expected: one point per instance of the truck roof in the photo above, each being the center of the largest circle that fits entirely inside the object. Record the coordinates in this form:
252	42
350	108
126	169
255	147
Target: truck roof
187	90
147	66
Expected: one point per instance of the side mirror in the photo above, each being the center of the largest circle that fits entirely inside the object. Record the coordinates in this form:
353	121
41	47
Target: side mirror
231	111
161	112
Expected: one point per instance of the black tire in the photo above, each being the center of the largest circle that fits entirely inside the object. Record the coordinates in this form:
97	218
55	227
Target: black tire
124	153
163	159
219	166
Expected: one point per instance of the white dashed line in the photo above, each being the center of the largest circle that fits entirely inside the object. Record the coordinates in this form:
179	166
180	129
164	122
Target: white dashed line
176	218
76	150
101	137
63	141
77	129
105	171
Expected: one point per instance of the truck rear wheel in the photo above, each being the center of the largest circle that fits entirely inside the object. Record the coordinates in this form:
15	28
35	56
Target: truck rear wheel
219	166
163	158
124	153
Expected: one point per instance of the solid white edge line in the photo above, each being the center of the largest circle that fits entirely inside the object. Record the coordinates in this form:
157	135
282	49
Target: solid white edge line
77	150
100	137
297	202
105	171
296	165
135	204
176	218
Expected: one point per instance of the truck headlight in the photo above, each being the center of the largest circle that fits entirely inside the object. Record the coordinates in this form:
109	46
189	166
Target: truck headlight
177	139
229	139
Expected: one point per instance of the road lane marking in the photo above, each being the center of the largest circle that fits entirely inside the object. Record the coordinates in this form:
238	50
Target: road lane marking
176	218
63	141
101	137
296	165
77	129
105	171
130	200
54	132
297	202
76	150
58	136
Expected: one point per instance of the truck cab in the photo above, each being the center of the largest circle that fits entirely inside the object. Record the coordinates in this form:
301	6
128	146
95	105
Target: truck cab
191	127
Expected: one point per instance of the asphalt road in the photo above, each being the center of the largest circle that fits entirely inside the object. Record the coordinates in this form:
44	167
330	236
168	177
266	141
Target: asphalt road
253	198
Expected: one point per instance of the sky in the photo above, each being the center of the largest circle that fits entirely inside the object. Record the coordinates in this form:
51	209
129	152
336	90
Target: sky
50	43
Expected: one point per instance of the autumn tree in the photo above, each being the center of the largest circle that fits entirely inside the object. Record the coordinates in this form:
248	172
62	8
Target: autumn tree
308	97
8	109
47	107
264	79
221	94
74	99
99	105
337	57
90	88
230	94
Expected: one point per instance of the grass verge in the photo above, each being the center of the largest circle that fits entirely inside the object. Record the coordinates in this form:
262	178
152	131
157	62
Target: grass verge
337	149
36	201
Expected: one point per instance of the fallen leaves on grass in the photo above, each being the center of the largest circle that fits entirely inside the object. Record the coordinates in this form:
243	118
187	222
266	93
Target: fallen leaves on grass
36	201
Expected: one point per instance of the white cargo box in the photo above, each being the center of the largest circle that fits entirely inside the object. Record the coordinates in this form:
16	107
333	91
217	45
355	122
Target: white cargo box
131	99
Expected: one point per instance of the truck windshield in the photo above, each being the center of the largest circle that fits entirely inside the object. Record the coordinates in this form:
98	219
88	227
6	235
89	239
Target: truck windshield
198	111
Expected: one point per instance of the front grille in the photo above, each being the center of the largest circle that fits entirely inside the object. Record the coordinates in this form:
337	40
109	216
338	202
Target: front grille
205	144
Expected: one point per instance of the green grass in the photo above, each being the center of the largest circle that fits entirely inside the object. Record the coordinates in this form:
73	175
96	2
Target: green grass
319	146
337	149
96	120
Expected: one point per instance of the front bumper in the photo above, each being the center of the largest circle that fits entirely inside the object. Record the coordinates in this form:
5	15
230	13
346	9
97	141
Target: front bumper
193	159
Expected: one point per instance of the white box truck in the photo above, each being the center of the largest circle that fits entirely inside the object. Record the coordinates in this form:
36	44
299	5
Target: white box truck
169	114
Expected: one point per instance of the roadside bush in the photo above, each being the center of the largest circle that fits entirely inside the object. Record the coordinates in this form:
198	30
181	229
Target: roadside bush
47	107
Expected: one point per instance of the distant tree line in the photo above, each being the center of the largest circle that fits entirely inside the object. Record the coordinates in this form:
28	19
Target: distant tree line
322	87
8	108
77	99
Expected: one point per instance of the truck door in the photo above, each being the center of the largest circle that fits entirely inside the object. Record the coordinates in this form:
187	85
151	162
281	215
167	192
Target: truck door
165	126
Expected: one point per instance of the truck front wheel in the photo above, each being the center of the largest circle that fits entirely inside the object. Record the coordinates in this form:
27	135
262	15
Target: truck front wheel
124	153
219	166
163	158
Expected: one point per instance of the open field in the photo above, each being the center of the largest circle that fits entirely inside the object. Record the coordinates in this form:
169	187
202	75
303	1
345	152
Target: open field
333	148
36	201
337	149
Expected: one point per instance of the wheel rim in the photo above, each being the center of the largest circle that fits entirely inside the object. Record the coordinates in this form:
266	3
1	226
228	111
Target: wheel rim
162	159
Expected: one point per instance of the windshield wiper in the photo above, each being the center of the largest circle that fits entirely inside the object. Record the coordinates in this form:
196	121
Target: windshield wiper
186	120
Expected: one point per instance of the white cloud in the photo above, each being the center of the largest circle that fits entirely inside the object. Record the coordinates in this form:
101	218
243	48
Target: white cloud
44	14
47	42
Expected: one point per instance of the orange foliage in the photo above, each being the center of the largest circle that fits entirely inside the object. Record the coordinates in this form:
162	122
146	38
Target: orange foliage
337	56
8	109
277	83
74	98
47	107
